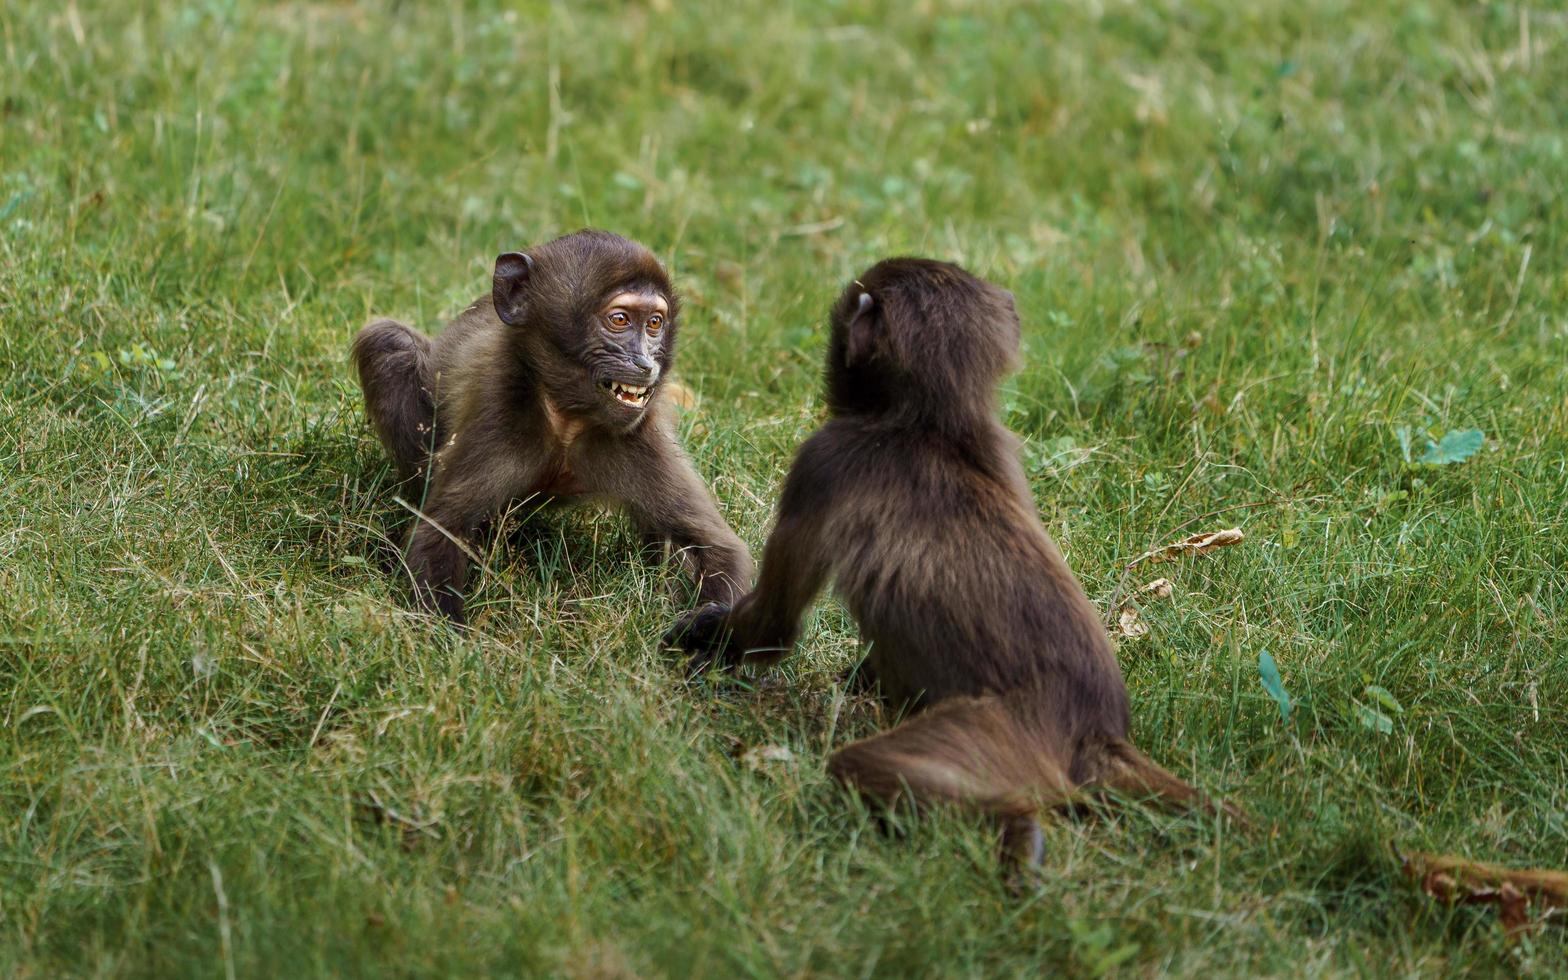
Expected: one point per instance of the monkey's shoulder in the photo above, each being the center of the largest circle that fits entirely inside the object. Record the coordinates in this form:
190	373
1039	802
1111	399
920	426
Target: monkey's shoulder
827	465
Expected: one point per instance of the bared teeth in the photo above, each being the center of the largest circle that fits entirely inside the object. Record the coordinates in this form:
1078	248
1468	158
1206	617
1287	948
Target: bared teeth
631	394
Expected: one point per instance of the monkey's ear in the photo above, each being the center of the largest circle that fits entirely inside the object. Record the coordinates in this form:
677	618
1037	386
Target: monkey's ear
860	333
512	272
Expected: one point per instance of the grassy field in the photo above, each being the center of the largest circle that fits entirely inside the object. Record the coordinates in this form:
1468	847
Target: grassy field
1252	249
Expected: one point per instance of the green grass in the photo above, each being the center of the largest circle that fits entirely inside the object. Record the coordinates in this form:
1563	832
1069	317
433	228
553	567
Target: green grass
228	747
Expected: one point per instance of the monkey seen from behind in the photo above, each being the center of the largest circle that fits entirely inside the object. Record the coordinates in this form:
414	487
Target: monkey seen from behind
911	500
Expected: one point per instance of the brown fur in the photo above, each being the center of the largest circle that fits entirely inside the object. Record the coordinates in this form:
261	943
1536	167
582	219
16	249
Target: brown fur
509	402
912	501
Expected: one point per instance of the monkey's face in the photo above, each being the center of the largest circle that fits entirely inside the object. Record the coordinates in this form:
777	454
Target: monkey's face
917	331
626	355
597	318
604	361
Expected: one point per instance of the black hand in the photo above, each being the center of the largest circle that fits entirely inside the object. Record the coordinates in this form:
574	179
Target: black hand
704	632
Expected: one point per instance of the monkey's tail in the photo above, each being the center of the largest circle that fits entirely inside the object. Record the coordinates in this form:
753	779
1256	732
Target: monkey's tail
1124	769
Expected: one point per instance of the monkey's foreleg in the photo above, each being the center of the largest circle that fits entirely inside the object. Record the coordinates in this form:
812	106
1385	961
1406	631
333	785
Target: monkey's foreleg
763	626
392	361
438	561
719	563
467	494
703	632
717	558
666	498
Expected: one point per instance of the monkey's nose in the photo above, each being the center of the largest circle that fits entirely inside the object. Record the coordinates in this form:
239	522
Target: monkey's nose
647	365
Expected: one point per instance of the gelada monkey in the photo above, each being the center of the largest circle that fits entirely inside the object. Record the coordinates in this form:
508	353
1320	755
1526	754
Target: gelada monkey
548	387
912	501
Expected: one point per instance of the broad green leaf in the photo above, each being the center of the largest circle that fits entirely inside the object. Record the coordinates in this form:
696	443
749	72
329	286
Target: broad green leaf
1373	719
1456	446
1272	683
1403	434
1384	698
10	206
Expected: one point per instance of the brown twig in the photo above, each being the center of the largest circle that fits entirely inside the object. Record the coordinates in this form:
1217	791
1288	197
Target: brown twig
1516	891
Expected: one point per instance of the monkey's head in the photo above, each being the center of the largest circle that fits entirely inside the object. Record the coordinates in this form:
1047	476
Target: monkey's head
922	334
595	315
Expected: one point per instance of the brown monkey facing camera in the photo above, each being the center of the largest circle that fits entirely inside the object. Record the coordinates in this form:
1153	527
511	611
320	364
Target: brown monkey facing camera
912	500
547	387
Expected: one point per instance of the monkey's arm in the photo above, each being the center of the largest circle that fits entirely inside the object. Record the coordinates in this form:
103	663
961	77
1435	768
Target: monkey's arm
765	624
668	500
762	627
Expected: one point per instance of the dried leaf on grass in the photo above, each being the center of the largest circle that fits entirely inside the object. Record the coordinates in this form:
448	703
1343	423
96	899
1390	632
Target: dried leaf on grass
1197	544
1128	622
1160	588
1129	625
1516	891
758	756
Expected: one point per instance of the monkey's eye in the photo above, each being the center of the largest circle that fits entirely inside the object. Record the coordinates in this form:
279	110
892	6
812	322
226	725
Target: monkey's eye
655	323
619	320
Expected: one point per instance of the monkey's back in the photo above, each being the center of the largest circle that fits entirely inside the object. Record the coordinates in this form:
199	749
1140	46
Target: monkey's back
954	581
473	342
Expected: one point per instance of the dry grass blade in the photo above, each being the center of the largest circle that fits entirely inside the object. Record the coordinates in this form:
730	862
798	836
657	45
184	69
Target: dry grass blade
412	828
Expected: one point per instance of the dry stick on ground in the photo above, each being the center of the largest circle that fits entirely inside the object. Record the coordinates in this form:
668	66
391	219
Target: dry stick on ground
1514	890
1114	606
1196	545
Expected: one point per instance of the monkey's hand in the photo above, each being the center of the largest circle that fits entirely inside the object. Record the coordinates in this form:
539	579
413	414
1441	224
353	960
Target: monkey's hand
704	632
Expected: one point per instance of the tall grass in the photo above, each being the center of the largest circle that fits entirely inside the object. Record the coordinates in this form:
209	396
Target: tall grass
1250	244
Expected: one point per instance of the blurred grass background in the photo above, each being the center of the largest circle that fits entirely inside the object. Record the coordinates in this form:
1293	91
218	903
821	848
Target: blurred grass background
1249	246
